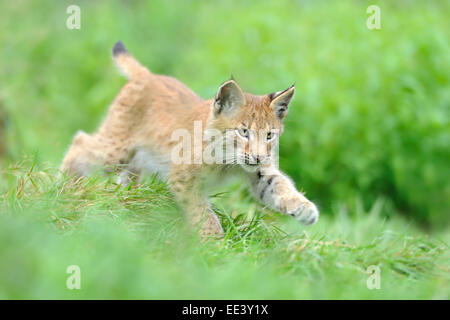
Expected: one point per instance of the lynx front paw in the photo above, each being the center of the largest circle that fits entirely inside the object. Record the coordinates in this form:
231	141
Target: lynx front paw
301	209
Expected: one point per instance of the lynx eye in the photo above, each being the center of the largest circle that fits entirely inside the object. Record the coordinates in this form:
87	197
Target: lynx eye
243	132
270	135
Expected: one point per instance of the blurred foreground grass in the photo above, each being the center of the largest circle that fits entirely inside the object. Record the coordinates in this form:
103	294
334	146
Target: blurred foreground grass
132	243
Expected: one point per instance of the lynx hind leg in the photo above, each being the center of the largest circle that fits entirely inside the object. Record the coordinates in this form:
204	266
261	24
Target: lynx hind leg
128	175
144	162
83	157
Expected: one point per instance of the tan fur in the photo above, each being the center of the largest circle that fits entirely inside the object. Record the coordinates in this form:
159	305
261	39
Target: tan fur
137	133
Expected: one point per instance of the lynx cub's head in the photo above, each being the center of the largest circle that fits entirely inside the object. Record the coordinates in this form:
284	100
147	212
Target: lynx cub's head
251	125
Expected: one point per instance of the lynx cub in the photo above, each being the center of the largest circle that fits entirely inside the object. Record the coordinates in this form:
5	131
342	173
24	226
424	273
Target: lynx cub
138	137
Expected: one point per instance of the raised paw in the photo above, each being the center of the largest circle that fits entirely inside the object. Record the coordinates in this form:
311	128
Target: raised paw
301	209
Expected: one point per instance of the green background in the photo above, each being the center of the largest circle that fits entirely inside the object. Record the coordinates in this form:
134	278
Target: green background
367	138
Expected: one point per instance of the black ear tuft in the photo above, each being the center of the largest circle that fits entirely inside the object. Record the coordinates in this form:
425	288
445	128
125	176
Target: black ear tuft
278	93
280	101
118	48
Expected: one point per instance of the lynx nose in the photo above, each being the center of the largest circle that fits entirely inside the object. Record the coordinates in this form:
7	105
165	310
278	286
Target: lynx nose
258	159
255	159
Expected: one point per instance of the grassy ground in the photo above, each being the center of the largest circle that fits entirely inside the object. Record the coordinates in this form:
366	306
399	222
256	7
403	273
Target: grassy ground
132	243
367	138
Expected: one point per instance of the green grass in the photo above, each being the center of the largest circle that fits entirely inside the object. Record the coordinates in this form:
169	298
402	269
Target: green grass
367	138
133	243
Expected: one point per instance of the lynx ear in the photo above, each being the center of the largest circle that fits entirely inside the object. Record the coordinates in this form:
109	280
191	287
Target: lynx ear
229	98
281	100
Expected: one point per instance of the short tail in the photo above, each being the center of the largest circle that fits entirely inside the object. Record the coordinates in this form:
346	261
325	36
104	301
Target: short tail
127	64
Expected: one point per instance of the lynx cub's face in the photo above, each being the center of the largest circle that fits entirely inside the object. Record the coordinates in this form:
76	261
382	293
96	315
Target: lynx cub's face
251	125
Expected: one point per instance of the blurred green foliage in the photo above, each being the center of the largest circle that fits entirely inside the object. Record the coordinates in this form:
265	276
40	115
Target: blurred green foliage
371	114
